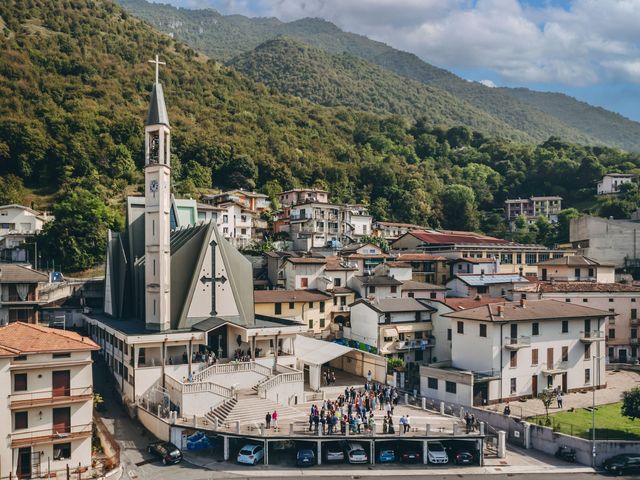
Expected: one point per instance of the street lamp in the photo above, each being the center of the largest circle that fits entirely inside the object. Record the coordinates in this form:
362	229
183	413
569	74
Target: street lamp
593	407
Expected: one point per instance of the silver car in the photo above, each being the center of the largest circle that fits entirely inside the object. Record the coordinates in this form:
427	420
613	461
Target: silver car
356	453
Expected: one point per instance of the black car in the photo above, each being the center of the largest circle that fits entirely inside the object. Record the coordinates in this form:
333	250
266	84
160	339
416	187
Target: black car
166	451
621	464
411	453
305	457
463	457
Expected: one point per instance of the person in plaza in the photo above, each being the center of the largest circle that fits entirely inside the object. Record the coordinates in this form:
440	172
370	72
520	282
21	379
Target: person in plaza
274	419
507	409
385	425
372	424
467	421
407	424
267	420
559	398
391	429
369	376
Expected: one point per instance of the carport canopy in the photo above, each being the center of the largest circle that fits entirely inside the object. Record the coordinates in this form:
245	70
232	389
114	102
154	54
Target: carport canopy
315	353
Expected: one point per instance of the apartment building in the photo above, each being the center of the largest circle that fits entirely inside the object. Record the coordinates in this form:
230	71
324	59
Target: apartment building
474	266
393	230
533	207
19	224
611	183
576	268
366	257
512	257
620	300
47	405
21	293
493	284
514	350
303	195
254	201
236	223
426	267
376	286
608	241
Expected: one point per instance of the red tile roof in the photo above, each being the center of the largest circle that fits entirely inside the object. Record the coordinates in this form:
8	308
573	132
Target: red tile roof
419	257
24	338
466	303
472	238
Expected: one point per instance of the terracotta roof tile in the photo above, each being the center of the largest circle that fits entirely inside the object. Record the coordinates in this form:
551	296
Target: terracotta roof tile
413	285
577	287
419	257
286	296
31	338
13	273
467	302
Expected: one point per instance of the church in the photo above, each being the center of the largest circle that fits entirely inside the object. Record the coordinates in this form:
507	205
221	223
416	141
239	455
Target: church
179	327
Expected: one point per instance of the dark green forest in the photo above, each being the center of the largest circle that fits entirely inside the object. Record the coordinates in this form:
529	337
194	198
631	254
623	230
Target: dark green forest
74	87
522	114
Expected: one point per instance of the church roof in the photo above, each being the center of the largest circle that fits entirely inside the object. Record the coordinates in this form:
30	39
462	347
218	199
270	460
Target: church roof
157	114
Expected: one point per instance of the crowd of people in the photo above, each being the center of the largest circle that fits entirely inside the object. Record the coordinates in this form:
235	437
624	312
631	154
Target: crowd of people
356	410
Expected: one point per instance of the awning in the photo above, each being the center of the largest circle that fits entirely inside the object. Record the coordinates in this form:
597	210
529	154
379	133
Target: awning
405	328
390	332
318	352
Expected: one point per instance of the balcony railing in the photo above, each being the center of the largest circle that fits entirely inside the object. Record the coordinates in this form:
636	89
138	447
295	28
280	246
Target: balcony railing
556	367
592	336
416	344
50	397
516	343
633	341
634	322
485	375
50	435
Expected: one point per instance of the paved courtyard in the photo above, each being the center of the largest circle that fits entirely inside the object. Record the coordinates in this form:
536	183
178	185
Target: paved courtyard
617	383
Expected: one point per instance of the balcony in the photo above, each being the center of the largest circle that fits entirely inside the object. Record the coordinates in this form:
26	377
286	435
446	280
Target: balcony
50	398
556	368
633	341
592	336
417	344
516	343
485	376
634	322
48	436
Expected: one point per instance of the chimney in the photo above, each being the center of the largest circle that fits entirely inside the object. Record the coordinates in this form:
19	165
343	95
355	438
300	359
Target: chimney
501	311
523	303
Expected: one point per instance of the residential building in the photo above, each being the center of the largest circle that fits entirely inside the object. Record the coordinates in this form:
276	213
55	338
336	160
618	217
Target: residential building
398	270
413	289
620	300
309	307
605	240
21	293
611	183
19	224
393	230
533	207
426	267
376	286
47	402
395	327
512	350
303	272
493	284
303	195
474	266
575	269
276	267
236	222
366	257
513	257
253	201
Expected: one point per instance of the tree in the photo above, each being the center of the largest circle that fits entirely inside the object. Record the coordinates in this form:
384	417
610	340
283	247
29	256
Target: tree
11	189
631	403
547	397
122	164
381	242
198	174
546	231
564	222
459	210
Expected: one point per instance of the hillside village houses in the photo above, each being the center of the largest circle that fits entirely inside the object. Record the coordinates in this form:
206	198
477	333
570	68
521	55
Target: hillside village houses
512	350
18	224
611	183
47	404
532	208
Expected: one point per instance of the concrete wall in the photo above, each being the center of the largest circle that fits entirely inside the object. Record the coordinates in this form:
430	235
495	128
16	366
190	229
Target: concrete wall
155	425
607	241
364	325
287	393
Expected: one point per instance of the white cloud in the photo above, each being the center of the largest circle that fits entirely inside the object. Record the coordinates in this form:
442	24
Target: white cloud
590	42
487	83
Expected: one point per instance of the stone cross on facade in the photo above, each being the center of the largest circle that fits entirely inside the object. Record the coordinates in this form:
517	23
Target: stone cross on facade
157	62
213	279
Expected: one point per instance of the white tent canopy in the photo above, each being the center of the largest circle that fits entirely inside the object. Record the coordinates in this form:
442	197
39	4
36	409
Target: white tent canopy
318	352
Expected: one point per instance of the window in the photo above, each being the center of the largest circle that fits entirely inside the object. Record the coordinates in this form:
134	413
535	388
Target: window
634	313
61	355
567	300
310	304
587	351
565	354
432	383
337	282
410	294
394	289
449	334
535	328
565	326
292	305
142	356
243	231
460	327
321	322
310	324
387	317
612	333
19	382
433	295
450	387
20	358
388	339
585	300
534	356
483	330
225	218
587	376
591	272
304	282
278	308
513	386
21	420
372	289
513	360
611	300
482	289
321	307
62	451
634	333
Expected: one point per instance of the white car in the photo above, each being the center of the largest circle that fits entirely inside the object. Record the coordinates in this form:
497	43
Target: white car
356	453
436	453
251	454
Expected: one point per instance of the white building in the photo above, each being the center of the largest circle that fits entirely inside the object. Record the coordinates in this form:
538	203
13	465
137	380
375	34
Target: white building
474	266
234	221
494	284
514	350
576	268
393	230
611	183
47	404
19	224
376	286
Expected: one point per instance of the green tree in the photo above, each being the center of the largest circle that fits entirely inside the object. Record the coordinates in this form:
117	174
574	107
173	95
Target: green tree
459	210
380	242
564	223
198	174
11	189
547	397
546	231
76	239
122	164
631	403
273	189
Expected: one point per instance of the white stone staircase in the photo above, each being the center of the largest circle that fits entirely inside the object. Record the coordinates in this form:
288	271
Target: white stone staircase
249	408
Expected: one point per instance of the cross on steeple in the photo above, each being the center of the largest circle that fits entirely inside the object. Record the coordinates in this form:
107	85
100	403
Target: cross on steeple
213	279
157	62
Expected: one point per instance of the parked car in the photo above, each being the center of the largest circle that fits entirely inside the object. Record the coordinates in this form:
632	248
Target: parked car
622	464
387	455
463	457
305	457
436	453
335	452
250	454
166	451
411	452
356	453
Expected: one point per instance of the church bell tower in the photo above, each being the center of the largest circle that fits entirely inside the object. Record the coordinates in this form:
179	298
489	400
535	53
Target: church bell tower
157	180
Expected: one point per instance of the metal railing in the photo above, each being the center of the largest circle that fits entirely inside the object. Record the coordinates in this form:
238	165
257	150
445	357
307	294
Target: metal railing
268	384
50	434
53	396
233	367
556	366
517	342
208	387
592	335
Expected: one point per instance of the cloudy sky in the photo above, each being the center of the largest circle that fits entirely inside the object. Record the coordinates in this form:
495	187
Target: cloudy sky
589	49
